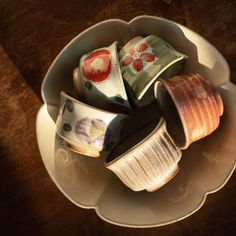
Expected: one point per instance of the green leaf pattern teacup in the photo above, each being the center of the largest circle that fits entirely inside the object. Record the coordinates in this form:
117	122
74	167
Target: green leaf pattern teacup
143	60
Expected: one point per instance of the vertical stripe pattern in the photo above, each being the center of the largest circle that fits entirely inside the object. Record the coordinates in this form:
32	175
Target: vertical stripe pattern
151	164
198	103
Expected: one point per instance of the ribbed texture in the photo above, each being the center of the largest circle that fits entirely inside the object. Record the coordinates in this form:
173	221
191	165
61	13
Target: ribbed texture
149	165
199	105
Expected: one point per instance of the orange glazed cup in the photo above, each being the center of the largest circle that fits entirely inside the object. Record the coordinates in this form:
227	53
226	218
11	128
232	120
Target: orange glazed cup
191	105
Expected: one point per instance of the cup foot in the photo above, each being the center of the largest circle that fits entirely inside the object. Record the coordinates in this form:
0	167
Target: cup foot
158	185
80	150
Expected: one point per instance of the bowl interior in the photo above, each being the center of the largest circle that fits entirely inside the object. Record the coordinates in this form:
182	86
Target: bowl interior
205	166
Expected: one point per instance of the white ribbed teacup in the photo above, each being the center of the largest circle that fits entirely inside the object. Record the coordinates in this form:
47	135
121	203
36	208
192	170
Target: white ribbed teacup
149	161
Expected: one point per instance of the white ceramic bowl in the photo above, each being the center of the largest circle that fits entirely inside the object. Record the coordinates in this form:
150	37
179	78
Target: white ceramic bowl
204	168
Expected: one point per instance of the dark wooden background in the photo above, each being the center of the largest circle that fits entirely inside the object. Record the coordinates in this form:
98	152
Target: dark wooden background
32	33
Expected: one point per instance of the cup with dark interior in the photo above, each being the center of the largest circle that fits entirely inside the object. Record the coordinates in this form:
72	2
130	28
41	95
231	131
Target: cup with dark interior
143	61
191	106
147	159
98	80
85	129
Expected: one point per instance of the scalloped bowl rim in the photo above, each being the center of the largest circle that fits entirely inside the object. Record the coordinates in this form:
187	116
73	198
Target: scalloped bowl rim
43	109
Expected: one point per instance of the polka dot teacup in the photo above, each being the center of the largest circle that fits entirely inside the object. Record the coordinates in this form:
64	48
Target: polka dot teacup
85	129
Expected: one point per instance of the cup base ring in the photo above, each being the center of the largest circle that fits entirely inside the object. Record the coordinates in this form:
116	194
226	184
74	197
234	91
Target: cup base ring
79	150
158	185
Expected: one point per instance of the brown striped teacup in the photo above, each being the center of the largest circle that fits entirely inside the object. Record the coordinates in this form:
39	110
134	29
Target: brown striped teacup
191	105
146	160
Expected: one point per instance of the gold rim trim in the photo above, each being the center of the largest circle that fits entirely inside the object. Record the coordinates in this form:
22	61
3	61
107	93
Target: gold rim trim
76	149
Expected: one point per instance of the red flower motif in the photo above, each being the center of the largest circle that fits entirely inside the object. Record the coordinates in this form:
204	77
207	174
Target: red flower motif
97	65
137	57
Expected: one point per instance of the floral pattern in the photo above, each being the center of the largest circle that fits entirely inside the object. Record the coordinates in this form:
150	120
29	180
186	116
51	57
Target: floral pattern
92	131
138	56
97	65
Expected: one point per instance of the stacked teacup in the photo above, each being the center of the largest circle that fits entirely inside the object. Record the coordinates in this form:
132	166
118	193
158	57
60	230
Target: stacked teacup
135	105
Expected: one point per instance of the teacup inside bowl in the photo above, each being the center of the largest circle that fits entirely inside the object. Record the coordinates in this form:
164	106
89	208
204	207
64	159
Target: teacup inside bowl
169	111
85	129
98	80
203	58
143	61
198	107
130	143
148	159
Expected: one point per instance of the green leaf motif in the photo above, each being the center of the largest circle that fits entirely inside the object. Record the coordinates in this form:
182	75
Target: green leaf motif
129	76
88	85
96	131
141	82
119	99
67	127
69	105
157	62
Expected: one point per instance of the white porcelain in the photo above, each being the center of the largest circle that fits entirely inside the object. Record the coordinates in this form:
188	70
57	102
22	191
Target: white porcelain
87	130
148	159
129	45
88	184
98	81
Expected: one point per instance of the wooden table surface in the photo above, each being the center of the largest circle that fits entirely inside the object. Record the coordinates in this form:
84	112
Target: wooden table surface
32	33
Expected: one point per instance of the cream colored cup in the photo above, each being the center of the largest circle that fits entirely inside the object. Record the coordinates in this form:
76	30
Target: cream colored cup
98	80
85	129
146	160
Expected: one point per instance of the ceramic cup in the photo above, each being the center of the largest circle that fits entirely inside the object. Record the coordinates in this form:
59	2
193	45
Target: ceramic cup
85	129
191	105
98	80
142	61
128	46
146	160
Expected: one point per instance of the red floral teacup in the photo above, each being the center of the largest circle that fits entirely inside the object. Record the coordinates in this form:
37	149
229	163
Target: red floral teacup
98	80
191	105
142	61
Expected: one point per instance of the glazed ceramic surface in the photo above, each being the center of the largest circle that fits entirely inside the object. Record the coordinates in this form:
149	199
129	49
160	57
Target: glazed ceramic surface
144	61
197	102
88	184
85	129
149	163
99	81
129	46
